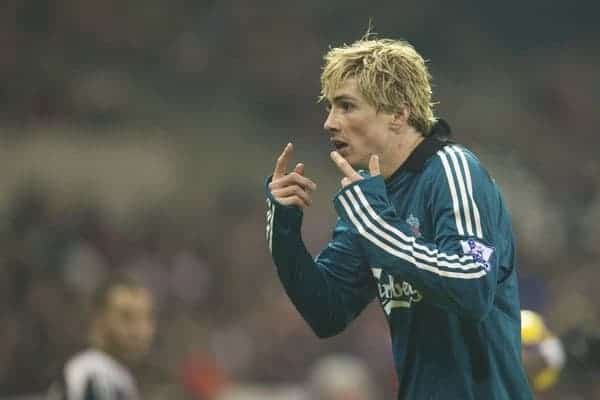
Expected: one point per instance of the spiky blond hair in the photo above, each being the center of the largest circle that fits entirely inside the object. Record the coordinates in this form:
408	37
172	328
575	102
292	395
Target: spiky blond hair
389	74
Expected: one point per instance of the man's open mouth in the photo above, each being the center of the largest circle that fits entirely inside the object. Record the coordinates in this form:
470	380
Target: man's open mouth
338	144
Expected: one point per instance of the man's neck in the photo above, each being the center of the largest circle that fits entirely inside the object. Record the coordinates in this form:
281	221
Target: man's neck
101	346
402	149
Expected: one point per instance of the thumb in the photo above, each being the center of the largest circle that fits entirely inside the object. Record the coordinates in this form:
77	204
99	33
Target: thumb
299	169
374	169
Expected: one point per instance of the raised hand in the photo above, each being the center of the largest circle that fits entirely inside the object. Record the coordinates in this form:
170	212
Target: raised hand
291	188
350	174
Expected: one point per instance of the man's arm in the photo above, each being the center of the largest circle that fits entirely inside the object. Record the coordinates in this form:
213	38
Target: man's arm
458	271
328	291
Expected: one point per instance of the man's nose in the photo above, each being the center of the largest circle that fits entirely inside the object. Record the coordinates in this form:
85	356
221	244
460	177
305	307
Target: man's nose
331	124
144	330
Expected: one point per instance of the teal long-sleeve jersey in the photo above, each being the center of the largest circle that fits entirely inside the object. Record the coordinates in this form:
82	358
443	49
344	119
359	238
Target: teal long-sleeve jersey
434	243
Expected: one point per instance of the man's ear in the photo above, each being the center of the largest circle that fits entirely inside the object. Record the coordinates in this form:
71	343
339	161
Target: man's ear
400	117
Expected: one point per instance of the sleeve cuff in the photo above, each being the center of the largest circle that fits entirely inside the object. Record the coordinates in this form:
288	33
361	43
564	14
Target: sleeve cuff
281	218
355	198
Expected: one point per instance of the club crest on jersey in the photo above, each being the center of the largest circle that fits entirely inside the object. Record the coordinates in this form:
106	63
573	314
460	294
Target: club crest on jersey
414	224
394	294
480	252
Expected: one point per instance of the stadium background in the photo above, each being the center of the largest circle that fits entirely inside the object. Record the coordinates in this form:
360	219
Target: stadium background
135	136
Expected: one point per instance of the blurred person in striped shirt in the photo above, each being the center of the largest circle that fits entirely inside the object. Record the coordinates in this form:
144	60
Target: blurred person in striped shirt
122	329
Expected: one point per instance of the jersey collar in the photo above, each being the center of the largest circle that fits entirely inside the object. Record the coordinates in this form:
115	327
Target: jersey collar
437	139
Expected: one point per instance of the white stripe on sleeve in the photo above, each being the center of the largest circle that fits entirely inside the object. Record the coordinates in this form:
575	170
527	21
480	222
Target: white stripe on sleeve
270	219
456	207
404	247
395	252
463	190
478	230
408	240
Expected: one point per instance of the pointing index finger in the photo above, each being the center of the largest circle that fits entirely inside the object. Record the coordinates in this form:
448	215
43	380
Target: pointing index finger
281	164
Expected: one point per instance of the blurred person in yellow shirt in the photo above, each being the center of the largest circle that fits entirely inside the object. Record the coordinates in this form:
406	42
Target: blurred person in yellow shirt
543	352
341	377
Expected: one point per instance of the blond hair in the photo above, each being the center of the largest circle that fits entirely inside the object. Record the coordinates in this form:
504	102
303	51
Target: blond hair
389	73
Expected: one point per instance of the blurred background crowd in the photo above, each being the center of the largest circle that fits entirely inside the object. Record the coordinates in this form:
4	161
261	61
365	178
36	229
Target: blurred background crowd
135	136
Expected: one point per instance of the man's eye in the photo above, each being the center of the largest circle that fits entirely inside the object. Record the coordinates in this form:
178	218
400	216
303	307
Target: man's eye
346	106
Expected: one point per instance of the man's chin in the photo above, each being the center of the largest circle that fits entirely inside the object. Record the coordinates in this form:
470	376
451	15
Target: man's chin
134	358
358	164
354	161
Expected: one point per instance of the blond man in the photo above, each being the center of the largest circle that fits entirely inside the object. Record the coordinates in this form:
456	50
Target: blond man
421	226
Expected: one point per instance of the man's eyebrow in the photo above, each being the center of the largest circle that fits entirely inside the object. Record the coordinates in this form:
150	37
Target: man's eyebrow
343	97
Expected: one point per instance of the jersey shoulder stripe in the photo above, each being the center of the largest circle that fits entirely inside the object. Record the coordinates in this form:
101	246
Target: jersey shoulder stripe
457	170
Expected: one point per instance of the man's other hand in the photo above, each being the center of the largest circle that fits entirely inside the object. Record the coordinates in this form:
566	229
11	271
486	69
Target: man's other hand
350	174
291	188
